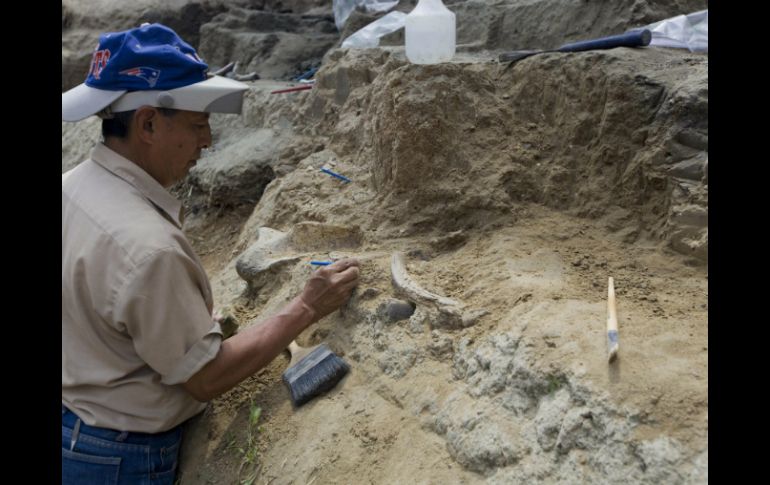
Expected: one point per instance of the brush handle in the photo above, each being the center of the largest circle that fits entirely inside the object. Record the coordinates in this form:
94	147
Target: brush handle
630	39
612	321
294	347
612	316
297	352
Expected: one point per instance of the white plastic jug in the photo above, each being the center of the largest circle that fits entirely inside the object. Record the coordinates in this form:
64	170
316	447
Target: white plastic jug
430	33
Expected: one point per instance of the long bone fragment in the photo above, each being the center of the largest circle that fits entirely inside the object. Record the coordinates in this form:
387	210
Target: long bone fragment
452	312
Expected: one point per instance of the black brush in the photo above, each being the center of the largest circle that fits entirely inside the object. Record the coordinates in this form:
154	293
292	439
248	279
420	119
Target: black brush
312	371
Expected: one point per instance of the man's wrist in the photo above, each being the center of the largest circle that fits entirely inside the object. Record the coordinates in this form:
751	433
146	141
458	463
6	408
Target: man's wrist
307	309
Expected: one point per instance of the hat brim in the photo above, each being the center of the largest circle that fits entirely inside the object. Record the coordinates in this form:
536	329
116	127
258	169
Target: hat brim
83	101
216	94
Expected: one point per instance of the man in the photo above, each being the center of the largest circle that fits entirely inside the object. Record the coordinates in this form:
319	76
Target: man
141	352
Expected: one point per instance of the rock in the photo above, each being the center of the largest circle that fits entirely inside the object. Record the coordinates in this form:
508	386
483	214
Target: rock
259	264
659	458
440	346
482	445
370	293
689	215
691	241
578	430
397	360
690	169
487	368
700	469
394	310
450	241
269	43
257	267
549	418
234	173
310	235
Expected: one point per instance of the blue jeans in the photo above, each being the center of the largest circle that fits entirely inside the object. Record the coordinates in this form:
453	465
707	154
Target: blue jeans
91	455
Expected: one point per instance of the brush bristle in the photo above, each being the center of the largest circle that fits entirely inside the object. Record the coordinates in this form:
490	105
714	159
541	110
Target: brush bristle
314	374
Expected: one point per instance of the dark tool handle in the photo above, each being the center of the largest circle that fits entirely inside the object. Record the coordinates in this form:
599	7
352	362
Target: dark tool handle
517	55
630	39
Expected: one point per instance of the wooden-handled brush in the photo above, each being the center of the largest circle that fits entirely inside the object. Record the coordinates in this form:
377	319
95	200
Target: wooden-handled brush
312	371
612	323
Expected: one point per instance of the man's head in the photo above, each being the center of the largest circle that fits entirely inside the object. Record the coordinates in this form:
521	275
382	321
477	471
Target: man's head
153	94
149	66
165	143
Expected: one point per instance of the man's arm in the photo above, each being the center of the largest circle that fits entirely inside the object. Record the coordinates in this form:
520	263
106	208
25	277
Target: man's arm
249	351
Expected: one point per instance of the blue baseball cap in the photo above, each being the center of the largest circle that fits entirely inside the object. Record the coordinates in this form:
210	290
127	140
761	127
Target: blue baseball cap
149	66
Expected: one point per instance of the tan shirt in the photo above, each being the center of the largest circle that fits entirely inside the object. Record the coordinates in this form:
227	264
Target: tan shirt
136	302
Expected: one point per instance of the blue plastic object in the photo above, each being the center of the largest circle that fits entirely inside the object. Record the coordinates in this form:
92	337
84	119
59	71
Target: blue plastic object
631	39
341	177
307	74
638	38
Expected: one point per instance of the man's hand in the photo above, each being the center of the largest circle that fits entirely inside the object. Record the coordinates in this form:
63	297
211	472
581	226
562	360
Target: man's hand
253	348
330	287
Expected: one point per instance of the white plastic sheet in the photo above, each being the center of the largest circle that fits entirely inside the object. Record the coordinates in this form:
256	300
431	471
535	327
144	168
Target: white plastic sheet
683	32
343	8
370	35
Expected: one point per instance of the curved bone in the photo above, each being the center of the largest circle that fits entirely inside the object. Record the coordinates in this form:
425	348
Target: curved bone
451	313
403	282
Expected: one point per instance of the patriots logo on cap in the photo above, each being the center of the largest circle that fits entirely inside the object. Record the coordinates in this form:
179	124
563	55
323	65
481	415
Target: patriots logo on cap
99	62
147	73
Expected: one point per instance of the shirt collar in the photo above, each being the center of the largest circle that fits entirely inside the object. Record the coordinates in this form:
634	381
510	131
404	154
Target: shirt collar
138	178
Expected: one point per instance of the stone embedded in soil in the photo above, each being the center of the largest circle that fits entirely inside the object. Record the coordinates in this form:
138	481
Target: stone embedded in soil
397	360
311	235
395	310
549	418
440	346
254	266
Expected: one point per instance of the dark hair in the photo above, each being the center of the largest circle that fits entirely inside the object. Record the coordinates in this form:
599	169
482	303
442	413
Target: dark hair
117	126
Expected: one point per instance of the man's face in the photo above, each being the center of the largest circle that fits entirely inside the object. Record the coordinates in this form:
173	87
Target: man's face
183	136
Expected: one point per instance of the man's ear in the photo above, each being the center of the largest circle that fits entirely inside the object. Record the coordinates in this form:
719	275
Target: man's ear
144	123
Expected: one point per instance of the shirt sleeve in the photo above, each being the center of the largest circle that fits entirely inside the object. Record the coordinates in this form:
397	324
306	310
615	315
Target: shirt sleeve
162	307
